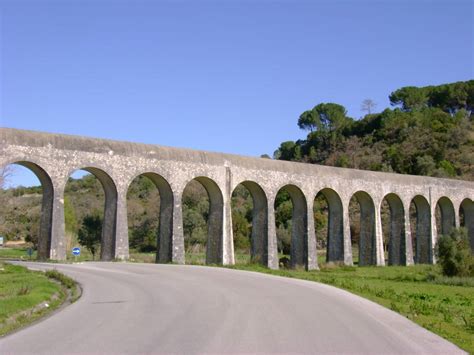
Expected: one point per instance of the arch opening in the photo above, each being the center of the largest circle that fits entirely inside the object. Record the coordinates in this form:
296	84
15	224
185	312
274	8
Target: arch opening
466	214
250	223
393	228
328	219
203	209
90	211
150	217
445	216
420	222
291	220
26	203
362	219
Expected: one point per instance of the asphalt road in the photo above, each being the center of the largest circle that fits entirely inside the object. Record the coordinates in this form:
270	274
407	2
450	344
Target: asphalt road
147	308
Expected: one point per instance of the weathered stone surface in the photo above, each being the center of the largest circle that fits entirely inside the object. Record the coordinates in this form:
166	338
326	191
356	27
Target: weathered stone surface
54	157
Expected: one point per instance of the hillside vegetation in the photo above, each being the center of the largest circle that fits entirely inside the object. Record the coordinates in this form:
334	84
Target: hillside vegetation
429	132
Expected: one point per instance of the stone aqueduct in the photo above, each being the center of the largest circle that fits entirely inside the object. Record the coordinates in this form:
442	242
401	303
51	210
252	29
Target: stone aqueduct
54	157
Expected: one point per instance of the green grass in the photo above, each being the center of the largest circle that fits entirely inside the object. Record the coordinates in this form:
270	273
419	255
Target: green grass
442	305
16	253
22	296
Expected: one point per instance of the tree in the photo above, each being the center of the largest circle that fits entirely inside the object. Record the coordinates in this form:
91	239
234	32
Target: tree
288	151
409	98
448	97
454	254
143	237
331	117
325	117
368	105
90	233
5	173
308	120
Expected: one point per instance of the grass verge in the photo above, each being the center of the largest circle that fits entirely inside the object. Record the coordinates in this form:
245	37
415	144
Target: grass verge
16	253
27	295
442	305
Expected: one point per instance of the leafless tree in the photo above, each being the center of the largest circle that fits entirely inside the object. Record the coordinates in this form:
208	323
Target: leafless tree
5	174
368	105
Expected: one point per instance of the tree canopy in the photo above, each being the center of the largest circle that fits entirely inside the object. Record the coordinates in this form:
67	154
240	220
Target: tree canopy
428	132
448	97
324	117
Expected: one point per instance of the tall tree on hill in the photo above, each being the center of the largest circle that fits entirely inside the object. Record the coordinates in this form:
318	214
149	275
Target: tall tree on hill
325	117
308	120
409	98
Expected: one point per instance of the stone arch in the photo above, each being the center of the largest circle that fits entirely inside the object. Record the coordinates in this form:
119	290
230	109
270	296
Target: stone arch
422	236
107	241
259	240
448	217
335	233
367	241
46	219
299	230
466	209
165	228
214	246
396	241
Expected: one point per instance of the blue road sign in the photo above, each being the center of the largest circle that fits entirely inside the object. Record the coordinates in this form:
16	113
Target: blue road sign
76	251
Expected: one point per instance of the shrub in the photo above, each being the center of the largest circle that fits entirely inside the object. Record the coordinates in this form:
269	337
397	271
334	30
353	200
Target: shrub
63	279
454	254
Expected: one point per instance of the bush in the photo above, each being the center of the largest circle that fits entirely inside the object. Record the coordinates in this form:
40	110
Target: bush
454	254
63	279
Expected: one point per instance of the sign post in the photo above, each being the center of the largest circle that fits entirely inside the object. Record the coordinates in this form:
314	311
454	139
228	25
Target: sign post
76	251
29	251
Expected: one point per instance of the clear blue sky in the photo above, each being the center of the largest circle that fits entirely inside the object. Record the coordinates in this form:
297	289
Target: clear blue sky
226	76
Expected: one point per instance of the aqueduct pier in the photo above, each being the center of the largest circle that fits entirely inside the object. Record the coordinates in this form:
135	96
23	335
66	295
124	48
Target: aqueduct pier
54	157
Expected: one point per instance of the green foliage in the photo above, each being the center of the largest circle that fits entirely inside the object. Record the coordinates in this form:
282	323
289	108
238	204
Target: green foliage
409	98
450	98
321	214
21	190
308	120
66	281
430	132
90	233
454	254
241	229
283	219
70	215
325	117
21	292
288	151
17	253
242	205
143	237
20	213
195	216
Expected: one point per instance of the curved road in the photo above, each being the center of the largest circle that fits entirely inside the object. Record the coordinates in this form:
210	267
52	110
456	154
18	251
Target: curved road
149	308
